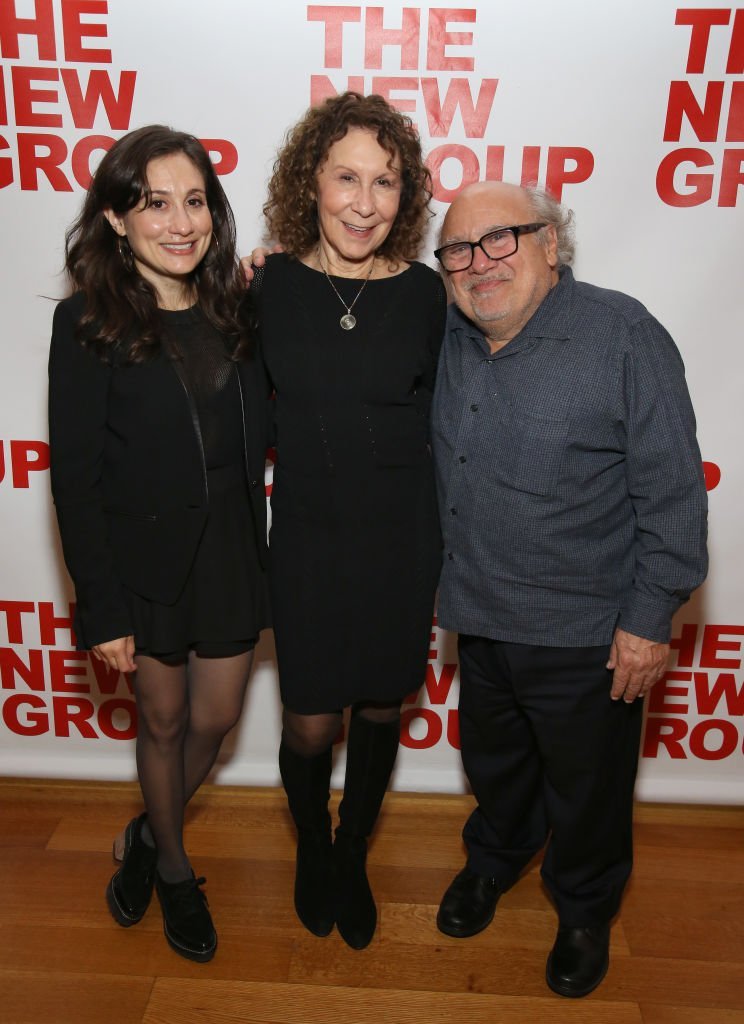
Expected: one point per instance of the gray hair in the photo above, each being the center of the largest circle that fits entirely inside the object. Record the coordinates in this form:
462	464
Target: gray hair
550	210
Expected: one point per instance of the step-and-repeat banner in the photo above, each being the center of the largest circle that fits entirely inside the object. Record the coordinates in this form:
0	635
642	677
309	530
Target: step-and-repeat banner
631	112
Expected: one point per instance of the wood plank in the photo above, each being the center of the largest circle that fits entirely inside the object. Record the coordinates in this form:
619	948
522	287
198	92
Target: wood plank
142	950
660	1014
256	1003
679	836
698	898
416	924
41	997
704	922
450	965
690	815
661	979
688	864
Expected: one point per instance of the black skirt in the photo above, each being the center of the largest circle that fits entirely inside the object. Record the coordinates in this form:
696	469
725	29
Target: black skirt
224	604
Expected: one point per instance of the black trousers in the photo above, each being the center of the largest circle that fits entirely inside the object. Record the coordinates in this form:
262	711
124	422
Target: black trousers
550	758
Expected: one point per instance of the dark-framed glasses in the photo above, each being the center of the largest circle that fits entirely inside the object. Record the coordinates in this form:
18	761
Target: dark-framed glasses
496	245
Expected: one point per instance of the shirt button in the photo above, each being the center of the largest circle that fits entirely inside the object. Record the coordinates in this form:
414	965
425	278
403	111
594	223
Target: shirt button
463	458
474	408
450	556
453	511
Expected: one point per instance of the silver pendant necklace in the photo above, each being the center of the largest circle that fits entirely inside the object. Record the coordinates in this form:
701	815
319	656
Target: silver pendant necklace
347	321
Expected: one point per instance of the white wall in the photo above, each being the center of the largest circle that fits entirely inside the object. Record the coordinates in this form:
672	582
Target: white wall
577	93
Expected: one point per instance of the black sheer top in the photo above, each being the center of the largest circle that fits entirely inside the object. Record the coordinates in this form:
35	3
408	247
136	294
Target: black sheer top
212	382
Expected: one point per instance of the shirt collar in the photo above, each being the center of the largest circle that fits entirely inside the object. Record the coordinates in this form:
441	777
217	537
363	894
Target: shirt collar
551	319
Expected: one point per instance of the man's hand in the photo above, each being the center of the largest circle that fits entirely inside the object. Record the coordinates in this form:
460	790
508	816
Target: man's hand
638	664
257	258
117	653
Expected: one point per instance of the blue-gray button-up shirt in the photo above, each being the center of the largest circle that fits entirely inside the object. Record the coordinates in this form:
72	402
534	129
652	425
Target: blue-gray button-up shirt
570	482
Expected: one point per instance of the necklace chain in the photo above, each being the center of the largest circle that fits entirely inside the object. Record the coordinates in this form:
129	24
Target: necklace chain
347	321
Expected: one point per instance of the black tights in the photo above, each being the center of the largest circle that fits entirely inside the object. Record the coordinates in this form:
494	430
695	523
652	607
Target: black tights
184	712
310	735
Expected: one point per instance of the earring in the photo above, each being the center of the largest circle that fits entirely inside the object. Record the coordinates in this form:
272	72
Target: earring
125	253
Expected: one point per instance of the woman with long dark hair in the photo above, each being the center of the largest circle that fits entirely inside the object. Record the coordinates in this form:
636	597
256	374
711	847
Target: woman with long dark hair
156	422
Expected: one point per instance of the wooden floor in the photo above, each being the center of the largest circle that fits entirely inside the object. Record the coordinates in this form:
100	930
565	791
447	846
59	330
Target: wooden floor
677	949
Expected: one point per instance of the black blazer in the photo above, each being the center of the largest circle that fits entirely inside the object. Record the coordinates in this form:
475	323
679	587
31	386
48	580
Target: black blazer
128	476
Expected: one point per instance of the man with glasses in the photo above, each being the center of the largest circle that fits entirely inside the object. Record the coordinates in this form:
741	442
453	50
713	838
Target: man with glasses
574	517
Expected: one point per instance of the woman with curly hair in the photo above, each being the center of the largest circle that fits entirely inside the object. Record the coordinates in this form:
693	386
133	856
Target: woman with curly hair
156	423
351	327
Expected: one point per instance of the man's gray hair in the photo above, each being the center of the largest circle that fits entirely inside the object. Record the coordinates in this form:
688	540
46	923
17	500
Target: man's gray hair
550	210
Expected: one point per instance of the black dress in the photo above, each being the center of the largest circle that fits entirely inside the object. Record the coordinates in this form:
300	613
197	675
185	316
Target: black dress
224	603
355	547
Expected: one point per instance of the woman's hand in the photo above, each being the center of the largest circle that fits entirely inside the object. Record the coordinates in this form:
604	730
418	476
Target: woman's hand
257	258
117	653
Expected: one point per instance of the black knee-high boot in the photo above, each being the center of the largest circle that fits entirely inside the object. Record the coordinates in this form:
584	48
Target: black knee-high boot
307	785
370	755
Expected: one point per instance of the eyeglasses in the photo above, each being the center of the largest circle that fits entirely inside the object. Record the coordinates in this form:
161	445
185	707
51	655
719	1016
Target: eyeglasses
496	245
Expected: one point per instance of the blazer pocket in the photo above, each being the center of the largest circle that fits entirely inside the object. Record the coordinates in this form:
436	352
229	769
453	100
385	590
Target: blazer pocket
147	517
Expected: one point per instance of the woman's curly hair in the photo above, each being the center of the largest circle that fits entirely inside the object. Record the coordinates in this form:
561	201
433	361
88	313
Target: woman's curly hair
121	307
291	210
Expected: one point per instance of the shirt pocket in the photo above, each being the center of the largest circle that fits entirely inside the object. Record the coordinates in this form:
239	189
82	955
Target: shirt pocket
533	451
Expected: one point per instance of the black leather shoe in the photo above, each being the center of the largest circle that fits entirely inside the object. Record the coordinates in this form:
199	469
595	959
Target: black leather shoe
313	891
129	892
186	920
356	913
578	961
468	905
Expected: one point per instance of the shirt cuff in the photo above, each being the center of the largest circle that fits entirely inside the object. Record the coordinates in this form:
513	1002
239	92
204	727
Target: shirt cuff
649	618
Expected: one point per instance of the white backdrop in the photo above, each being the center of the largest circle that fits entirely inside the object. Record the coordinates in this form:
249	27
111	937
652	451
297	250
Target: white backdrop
633	113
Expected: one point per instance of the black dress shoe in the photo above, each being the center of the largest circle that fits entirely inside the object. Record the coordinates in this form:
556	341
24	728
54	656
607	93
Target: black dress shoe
129	892
186	920
468	905
313	891
356	913
579	960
